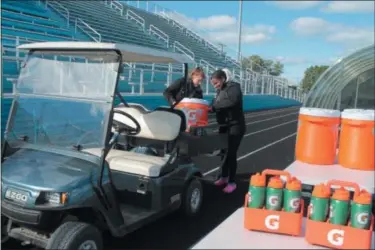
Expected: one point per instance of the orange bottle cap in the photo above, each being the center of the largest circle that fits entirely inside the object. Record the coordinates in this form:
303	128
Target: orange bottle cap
341	194
321	191
294	184
258	180
275	182
363	197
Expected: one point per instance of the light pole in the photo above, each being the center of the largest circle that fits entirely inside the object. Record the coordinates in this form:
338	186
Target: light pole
239	32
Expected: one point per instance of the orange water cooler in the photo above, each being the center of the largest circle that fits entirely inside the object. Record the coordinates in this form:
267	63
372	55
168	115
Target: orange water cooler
357	149
317	136
196	111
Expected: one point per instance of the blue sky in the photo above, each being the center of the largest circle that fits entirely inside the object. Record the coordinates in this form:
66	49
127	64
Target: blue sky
298	33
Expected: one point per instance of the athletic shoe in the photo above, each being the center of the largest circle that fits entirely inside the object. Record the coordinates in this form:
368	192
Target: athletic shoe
221	181
230	188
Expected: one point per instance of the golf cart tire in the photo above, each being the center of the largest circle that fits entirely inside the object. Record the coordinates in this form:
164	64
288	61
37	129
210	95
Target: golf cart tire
186	204
72	234
4	233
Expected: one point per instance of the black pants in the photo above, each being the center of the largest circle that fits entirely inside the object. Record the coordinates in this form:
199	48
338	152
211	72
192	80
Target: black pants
229	165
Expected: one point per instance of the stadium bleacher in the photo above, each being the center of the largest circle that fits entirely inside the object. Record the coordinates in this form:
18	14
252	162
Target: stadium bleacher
114	21
108	21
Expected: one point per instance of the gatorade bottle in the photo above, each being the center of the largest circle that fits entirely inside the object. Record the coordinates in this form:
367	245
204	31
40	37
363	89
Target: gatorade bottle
339	209
292	195
360	216
257	191
274	194
319	203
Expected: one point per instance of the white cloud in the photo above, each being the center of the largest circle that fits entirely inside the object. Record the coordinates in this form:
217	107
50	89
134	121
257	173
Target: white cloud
291	60
333	32
296	5
223	29
217	22
349	6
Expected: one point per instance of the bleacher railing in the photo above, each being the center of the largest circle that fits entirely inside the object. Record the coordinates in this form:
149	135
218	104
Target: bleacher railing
133	16
178	47
153	30
117	6
87	29
64	12
78	22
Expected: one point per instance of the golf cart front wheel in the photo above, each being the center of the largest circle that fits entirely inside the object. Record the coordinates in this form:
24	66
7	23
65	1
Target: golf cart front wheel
192	198
75	236
4	231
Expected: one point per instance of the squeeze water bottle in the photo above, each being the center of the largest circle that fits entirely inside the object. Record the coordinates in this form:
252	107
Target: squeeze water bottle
274	194
292	195
339	209
360	215
319	204
257	191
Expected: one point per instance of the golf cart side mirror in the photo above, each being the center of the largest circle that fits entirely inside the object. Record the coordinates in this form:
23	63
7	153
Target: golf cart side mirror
114	138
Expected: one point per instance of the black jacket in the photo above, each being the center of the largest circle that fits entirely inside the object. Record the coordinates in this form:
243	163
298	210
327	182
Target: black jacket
228	106
177	91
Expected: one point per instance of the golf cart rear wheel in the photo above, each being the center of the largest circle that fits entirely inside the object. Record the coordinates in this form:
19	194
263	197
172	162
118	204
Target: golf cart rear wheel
192	198
74	236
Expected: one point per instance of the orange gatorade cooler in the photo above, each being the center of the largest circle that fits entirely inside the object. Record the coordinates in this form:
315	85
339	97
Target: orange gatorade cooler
196	111
317	135
357	149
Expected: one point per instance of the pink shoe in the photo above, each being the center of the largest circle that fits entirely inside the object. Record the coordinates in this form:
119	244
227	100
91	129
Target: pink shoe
230	188
221	181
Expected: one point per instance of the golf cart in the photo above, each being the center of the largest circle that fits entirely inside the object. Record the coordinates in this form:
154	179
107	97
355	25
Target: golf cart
69	169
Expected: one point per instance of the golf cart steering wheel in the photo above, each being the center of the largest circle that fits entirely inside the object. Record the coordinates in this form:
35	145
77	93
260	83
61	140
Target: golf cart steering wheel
121	127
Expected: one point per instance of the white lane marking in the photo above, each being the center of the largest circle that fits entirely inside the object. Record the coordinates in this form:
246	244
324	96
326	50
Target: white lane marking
253	152
213	121
268	119
269	128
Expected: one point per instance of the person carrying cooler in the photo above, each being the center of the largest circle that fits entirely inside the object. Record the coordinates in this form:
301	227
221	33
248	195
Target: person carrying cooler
178	90
231	120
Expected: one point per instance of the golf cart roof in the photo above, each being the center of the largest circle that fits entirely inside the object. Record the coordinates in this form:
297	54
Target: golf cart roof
130	52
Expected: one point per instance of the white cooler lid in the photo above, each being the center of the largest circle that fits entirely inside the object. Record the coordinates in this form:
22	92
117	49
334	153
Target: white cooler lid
195	100
360	115
319	112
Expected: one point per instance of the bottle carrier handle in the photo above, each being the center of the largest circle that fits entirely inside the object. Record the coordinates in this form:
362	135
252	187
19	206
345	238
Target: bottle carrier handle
344	184
276	172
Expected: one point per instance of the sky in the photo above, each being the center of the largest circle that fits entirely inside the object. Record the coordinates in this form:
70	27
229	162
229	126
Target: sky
297	33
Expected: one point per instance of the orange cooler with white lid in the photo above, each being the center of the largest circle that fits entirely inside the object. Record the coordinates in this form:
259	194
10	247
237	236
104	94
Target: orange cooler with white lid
196	111
357	149
317	136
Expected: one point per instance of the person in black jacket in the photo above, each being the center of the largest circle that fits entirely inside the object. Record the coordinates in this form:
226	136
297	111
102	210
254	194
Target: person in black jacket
231	120
177	90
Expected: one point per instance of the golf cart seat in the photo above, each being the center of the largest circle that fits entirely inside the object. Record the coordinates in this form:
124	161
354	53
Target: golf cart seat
131	162
144	110
156	125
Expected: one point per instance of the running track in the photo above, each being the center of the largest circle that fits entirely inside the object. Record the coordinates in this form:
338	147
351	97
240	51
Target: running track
268	143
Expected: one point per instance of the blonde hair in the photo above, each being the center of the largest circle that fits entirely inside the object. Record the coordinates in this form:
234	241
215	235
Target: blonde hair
198	71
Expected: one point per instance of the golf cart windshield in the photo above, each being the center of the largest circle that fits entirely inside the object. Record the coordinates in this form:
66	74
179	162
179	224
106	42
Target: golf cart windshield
64	99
